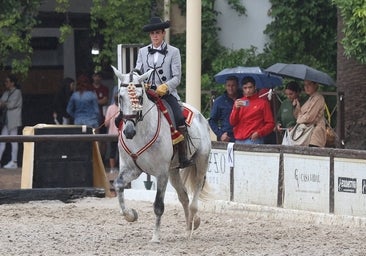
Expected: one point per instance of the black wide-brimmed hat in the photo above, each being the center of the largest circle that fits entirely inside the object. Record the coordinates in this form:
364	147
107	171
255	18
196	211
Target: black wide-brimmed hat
156	24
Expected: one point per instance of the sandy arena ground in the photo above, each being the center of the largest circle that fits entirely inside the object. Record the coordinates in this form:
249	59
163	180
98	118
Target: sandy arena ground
94	226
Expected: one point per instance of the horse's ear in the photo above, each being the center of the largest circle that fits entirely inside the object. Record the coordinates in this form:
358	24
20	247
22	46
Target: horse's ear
137	71
117	73
145	75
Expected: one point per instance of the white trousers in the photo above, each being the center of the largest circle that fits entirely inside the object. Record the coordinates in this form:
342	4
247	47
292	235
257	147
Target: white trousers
14	145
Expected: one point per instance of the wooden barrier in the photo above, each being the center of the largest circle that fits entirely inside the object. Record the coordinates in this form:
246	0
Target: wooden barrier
99	179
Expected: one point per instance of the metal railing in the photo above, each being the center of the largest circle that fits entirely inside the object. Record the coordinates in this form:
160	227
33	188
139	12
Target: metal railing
58	137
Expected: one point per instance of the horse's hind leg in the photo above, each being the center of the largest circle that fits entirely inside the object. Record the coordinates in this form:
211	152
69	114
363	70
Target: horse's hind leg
162	181
123	179
176	181
193	219
197	181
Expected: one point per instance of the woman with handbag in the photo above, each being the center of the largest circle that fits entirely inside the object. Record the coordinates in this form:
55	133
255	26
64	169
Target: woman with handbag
311	113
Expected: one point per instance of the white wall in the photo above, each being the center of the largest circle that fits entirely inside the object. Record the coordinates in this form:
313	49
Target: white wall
243	31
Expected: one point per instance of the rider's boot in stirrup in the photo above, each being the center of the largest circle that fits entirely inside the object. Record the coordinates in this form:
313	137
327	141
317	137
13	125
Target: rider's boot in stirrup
182	149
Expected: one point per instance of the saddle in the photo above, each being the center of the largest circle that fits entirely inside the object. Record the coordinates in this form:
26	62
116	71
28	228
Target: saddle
187	113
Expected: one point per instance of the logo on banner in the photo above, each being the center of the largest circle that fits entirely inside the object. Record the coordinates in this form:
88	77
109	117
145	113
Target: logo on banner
217	166
307	181
363	186
348	185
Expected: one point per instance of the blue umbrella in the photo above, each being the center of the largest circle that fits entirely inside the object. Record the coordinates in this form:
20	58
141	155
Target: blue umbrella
262	78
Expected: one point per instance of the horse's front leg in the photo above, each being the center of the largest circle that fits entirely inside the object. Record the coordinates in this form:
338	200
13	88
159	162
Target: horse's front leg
123	179
162	181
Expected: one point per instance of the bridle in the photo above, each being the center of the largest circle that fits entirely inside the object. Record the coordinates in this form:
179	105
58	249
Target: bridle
137	106
136	103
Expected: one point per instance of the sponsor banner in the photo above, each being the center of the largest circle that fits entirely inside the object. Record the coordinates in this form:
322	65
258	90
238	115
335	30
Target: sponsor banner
306	182
349	187
256	177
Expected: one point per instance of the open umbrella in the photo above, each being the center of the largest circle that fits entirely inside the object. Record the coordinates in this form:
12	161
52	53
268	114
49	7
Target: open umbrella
301	71
262	79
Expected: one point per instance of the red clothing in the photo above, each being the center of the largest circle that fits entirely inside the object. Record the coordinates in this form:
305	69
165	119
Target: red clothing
101	92
257	117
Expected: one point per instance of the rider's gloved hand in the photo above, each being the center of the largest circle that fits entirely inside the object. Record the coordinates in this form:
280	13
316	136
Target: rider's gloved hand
162	90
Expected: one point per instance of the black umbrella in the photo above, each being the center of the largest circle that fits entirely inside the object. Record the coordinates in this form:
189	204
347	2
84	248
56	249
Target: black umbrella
301	71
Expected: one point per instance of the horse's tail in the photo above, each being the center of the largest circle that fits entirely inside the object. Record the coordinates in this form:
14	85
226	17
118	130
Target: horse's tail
190	178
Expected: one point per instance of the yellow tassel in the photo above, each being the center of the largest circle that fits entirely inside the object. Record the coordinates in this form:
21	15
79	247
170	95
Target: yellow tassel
180	138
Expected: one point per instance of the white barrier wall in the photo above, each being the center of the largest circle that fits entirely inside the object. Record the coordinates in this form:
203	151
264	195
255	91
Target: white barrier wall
318	183
256	177
306	182
139	183
218	175
349	187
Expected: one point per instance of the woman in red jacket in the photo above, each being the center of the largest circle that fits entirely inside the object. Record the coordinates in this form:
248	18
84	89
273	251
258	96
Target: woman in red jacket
251	117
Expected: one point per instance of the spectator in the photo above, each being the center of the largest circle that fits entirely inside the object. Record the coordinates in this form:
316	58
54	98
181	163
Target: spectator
11	104
312	112
102	93
83	104
251	116
221	109
111	114
285	115
62	99
114	92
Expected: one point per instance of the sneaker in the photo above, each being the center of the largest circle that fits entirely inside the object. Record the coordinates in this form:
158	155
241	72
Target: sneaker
113	170
11	165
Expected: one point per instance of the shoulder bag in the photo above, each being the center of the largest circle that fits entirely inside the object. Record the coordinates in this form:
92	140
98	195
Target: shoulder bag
331	135
299	135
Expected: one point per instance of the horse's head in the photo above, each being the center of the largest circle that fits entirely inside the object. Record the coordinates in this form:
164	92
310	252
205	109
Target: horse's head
131	93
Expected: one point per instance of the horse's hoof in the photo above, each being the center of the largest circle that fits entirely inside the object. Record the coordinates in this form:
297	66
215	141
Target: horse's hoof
193	226
130	215
196	222
155	239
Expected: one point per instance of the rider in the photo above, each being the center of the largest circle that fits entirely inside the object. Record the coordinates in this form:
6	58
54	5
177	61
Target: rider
165	61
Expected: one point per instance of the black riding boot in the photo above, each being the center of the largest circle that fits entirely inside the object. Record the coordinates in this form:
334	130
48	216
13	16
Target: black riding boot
182	149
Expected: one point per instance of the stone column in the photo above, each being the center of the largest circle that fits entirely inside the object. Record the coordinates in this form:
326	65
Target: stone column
193	52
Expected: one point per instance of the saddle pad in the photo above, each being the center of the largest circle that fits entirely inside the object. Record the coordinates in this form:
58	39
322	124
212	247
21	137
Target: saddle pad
188	115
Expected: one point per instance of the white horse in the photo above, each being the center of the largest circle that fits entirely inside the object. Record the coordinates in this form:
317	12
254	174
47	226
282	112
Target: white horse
145	145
